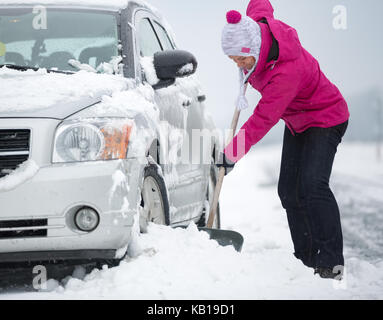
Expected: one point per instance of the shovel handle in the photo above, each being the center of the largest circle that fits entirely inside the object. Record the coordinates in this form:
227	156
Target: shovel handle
221	173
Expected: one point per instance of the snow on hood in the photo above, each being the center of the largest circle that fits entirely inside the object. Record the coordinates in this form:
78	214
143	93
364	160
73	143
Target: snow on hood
53	95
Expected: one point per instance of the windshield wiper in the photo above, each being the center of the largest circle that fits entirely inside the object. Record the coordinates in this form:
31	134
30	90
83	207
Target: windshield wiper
25	68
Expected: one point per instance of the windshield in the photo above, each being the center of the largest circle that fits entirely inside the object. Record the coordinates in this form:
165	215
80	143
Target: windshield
50	38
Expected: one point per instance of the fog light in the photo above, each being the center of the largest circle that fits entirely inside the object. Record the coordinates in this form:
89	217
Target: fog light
86	219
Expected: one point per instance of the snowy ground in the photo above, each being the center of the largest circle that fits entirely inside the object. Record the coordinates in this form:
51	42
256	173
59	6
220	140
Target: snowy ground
184	264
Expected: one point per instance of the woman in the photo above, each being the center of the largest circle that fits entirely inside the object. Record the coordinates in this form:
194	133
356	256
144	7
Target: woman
293	88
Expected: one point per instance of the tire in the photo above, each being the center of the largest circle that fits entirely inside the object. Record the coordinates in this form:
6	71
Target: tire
154	199
209	198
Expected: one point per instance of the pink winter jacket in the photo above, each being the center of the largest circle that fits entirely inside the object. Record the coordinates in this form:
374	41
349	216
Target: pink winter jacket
293	87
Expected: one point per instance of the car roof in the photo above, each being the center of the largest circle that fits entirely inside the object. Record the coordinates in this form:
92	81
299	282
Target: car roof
112	5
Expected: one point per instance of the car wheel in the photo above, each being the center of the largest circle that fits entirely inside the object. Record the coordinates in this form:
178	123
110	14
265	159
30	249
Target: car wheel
209	199
154	199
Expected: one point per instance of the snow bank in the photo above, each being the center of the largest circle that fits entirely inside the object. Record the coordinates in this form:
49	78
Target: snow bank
186	264
24	172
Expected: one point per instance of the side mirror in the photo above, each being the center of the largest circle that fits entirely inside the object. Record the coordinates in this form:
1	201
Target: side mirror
172	64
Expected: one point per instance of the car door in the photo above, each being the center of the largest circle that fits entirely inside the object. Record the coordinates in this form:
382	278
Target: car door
198	141
173	105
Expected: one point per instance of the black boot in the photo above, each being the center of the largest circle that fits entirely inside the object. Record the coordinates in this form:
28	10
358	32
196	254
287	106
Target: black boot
328	273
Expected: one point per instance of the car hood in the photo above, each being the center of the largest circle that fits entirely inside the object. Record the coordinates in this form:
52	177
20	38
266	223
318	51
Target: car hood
39	94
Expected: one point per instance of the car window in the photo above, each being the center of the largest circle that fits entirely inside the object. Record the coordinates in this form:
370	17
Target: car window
147	38
164	38
87	36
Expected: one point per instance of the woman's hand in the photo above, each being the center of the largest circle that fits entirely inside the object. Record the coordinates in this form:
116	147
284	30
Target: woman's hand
225	163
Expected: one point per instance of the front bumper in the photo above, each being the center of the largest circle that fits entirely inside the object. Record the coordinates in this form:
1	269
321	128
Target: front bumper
55	194
52	256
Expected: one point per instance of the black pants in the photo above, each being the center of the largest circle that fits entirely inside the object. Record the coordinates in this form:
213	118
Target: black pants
312	211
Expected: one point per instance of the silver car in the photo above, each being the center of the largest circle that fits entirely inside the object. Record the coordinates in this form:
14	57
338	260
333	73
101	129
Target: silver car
82	172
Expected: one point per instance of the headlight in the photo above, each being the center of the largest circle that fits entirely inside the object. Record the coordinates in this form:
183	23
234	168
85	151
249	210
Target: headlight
92	141
86	219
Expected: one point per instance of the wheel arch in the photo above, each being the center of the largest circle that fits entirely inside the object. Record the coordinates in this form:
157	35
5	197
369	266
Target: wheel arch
154	151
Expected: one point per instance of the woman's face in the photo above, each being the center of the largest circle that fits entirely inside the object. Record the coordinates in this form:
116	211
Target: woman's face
243	62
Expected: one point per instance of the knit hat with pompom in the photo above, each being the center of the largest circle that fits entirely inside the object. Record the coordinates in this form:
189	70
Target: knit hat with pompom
241	36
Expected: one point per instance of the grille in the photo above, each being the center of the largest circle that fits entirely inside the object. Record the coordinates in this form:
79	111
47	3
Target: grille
10	229
14	140
14	149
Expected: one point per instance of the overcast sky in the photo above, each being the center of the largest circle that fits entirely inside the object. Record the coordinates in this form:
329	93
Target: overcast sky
351	58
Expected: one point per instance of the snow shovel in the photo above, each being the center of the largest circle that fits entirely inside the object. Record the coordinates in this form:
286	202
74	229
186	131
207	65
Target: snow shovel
224	237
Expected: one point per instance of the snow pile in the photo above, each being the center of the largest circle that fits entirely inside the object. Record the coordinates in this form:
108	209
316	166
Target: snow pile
185	264
127	103
23	173
35	90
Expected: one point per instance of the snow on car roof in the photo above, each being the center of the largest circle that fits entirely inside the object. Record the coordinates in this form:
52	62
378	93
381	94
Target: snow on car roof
109	4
